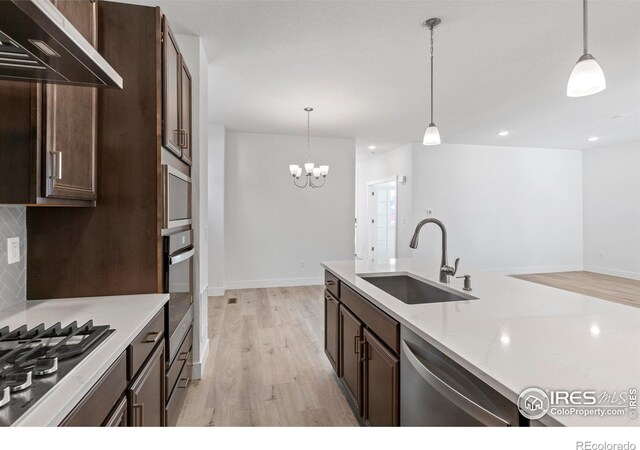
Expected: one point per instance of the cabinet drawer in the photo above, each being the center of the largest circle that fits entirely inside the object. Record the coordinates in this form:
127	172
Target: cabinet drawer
93	409
332	283
387	329
176	401
183	357
144	343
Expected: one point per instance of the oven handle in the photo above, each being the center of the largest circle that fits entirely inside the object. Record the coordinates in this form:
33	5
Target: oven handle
182	256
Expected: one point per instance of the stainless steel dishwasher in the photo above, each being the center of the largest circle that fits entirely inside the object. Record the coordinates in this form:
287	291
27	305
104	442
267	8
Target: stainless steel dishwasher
436	391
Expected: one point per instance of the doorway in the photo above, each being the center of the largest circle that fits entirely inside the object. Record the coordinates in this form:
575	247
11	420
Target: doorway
383	219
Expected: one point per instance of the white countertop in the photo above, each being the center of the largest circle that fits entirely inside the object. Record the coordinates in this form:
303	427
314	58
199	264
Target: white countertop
519	334
127	314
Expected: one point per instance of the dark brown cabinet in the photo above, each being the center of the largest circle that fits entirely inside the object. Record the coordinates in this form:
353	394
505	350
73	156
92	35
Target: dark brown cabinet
70	121
171	68
146	394
49	132
332	330
381	388
185	111
119	416
132	391
176	97
350	356
368	366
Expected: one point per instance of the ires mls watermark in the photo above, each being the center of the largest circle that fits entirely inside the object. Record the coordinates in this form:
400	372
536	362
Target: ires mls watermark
535	403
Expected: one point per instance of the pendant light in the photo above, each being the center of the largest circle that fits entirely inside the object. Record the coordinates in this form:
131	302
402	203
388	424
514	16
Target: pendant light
587	77
432	135
310	171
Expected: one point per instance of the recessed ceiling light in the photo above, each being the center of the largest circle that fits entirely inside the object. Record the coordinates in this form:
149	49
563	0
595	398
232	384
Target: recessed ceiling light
503	133
620	116
593	138
372	147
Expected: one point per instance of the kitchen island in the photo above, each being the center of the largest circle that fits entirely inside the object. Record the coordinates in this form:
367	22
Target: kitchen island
515	335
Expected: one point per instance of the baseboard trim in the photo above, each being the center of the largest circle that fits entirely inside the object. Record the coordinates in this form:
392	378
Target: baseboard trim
197	370
286	282
215	291
537	269
613	272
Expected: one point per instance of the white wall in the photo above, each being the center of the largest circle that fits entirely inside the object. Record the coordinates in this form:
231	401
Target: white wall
397	162
270	225
512	210
194	54
612	209
216	209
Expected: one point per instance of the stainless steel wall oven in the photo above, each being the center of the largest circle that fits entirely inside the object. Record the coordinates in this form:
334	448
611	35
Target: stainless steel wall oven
178	253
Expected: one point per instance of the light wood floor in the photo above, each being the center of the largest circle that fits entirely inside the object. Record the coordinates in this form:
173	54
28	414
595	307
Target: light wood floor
266	364
606	287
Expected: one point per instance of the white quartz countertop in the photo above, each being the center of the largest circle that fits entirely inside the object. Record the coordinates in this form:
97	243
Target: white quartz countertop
127	314
519	334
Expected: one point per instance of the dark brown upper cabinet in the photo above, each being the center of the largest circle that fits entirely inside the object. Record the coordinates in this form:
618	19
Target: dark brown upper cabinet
48	133
185	112
176	97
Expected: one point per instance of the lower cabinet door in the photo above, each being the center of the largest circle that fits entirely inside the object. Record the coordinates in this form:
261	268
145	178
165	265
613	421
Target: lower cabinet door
351	343
146	394
331	330
381	384
118	417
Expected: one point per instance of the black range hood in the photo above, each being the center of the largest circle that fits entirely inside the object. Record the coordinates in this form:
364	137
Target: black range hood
37	43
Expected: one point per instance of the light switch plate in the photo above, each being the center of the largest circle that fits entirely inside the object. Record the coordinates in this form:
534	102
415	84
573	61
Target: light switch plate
13	250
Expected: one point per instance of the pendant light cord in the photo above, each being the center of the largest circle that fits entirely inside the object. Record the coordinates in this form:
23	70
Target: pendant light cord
432	73
308	136
585	26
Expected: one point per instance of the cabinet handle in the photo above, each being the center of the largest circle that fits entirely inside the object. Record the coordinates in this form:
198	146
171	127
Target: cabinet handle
364	351
330	282
178	134
152	337
356	344
186	139
183	356
184	381
138	411
57	165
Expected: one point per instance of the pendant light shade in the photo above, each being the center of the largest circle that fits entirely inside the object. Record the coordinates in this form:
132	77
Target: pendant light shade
432	135
587	77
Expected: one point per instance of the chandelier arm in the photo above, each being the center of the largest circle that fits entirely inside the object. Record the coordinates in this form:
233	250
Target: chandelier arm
301	186
317	186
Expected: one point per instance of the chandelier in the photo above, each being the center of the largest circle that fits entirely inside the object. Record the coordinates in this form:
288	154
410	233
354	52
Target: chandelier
311	172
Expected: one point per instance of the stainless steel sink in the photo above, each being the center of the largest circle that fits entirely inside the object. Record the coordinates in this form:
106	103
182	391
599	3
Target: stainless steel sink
412	290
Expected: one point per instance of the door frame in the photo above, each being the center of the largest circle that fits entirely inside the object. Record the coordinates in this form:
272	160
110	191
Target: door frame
370	185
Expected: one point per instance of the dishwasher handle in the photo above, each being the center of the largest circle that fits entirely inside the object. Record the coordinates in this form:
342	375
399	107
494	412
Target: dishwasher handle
467	405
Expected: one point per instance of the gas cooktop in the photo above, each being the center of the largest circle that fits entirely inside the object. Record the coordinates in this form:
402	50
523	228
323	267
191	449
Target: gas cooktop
33	360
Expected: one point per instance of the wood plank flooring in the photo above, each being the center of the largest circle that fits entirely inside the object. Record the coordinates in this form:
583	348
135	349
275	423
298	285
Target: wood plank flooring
266	364
606	287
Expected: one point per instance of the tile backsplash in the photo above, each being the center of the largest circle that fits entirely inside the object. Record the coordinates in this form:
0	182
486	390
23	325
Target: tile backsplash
13	277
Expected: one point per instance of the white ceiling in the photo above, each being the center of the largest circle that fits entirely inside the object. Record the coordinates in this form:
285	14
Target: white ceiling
363	65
